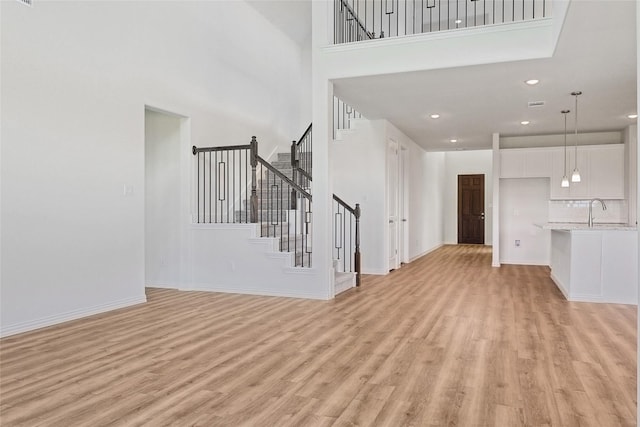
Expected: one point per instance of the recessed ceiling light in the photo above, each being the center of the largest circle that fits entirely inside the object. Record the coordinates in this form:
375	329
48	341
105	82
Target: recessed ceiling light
532	82
525	122
453	140
435	116
633	116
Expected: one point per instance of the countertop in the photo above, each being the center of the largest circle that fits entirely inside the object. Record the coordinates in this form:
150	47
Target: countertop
568	226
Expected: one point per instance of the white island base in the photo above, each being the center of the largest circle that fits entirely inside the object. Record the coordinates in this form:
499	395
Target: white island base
596	265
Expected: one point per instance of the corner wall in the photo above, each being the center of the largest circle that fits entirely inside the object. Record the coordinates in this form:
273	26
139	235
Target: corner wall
76	77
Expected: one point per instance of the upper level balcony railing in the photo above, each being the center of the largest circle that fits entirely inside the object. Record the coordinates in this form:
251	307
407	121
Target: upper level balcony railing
357	20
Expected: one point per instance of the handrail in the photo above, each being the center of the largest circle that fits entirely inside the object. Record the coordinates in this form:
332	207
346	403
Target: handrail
304	135
195	150
355	16
345	204
343	31
304	173
283	177
301	158
235	185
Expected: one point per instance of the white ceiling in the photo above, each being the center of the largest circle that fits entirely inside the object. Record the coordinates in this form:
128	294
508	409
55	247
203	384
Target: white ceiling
596	54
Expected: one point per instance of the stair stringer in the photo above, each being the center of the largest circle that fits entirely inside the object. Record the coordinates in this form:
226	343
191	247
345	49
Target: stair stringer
231	258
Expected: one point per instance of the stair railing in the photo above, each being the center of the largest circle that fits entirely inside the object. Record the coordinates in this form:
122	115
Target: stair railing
346	237
301	158
357	20
229	189
348	27
343	114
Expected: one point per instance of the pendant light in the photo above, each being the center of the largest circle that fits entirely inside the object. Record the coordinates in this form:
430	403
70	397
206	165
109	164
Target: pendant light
575	176
565	180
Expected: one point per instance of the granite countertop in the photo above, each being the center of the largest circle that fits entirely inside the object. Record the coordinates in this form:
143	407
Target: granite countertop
568	226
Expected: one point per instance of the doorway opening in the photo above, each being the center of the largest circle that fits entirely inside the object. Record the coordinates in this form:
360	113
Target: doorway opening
471	211
164	197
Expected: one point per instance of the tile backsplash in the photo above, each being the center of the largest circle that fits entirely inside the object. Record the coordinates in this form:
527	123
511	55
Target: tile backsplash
578	211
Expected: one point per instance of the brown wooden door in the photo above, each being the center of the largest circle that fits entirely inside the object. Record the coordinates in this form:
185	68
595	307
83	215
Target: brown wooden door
471	209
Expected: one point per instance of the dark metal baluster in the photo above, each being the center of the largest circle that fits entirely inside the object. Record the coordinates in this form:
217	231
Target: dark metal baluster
226	195
210	166
513	10
398	17
198	184
344	247
215	206
246	187
357	251
254	194
475	14
262	176
350	242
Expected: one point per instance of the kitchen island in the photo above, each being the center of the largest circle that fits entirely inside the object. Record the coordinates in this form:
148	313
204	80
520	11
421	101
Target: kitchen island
595	264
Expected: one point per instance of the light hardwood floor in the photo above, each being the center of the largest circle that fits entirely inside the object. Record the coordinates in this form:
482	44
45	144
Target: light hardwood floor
444	341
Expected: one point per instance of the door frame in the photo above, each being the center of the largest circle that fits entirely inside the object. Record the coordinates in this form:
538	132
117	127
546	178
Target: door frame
482	214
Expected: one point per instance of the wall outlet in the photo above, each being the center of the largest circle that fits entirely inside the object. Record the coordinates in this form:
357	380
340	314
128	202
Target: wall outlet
517	243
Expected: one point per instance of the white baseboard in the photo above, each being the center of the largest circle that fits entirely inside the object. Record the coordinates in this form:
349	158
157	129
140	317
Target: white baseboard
560	285
43	322
261	291
520	262
375	271
161	286
428	251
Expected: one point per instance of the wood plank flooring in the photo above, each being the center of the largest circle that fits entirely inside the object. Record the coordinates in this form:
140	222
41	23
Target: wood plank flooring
444	341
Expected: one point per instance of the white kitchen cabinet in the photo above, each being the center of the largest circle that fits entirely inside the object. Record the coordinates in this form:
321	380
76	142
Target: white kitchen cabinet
576	190
606	172
601	169
525	163
537	163
512	163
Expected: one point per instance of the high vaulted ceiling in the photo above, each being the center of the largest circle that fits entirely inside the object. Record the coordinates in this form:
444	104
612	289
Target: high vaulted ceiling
596	54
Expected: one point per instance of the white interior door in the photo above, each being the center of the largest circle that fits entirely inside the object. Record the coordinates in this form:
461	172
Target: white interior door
403	240
392	202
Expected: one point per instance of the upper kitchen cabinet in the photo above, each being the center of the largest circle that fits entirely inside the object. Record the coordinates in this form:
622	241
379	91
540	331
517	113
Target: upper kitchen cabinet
576	190
525	163
601	170
606	172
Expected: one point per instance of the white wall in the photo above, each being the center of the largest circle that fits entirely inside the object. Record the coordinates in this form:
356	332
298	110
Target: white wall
358	164
76	77
523	203
425	195
630	136
162	200
359	176
463	163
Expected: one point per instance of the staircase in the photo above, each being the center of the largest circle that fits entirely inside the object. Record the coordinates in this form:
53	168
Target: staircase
236	186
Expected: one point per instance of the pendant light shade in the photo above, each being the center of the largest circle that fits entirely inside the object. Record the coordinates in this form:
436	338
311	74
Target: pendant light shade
575	176
565	181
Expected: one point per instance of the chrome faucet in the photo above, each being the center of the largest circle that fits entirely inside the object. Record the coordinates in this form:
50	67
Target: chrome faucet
604	208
